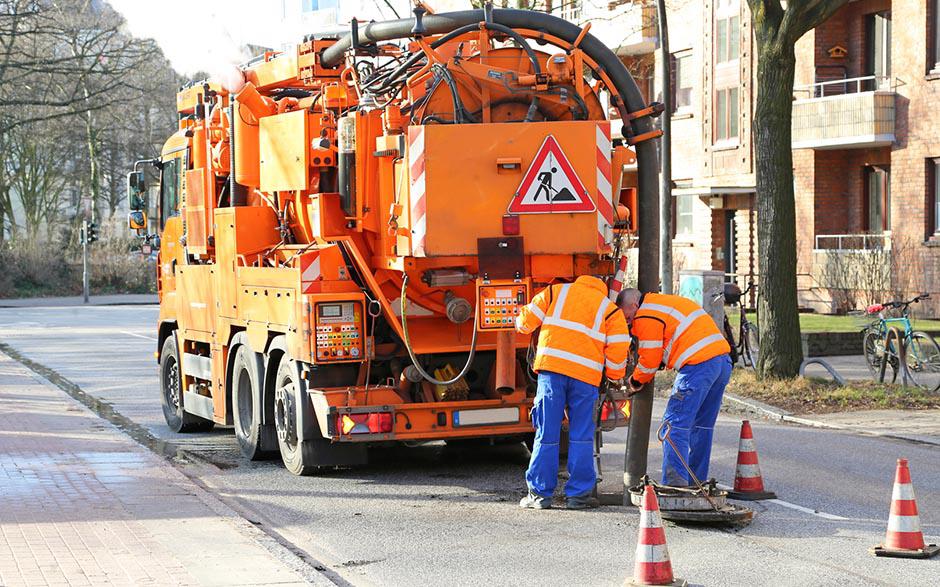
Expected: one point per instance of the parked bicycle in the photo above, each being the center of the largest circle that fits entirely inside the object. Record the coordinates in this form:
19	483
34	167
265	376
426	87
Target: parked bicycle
747	344
922	358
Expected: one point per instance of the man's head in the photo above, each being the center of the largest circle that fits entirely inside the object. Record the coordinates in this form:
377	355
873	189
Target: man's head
629	300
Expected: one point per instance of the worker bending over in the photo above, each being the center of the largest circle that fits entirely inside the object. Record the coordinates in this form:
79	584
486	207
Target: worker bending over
674	332
583	335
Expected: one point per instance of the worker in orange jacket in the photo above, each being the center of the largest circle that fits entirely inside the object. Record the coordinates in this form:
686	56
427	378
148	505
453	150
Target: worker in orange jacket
674	332
583	337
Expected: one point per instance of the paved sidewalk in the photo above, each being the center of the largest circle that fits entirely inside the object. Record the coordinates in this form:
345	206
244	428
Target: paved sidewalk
83	504
111	300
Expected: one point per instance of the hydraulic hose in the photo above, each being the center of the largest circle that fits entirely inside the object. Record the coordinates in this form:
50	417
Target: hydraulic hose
411	353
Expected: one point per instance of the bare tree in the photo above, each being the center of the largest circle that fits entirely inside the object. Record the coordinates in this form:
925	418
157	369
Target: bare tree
776	30
36	176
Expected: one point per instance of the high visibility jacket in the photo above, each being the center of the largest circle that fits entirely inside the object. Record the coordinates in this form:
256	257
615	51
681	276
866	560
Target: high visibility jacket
583	333
673	331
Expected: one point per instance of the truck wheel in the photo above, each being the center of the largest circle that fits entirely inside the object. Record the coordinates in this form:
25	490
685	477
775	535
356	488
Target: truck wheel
246	402
171	392
289	391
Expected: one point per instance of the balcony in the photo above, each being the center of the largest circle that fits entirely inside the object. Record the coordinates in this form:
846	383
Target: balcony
844	114
626	26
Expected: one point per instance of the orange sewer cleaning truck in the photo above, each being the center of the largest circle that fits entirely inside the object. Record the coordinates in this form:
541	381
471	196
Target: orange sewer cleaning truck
347	230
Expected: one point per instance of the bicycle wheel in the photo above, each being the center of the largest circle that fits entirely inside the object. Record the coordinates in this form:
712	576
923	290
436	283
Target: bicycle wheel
751	343
873	347
923	361
729	336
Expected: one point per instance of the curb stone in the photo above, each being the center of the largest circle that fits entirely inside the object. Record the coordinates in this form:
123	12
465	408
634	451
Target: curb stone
769	412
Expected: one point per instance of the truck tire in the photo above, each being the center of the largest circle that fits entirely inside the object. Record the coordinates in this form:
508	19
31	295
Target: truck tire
246	402
171	392
289	392
303	447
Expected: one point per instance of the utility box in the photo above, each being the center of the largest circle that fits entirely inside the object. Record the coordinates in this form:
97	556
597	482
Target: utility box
706	288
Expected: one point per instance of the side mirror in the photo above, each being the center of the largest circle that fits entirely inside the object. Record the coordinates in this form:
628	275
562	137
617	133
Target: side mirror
136	191
137	220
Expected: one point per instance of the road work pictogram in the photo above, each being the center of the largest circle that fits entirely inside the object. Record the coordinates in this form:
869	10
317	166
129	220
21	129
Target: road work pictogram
550	185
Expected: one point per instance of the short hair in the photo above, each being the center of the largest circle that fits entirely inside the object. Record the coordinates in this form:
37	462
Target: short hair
628	296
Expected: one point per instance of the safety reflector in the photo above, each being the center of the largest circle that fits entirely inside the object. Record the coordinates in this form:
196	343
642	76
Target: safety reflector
366	423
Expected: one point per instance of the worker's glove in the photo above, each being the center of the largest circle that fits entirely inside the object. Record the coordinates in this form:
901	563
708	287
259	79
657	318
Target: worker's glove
635	386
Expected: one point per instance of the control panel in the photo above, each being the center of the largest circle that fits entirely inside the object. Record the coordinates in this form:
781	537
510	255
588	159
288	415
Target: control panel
340	332
500	302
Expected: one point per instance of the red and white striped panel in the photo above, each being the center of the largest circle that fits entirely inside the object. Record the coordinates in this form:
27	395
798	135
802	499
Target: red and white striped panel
617	284
310	273
419	223
605	206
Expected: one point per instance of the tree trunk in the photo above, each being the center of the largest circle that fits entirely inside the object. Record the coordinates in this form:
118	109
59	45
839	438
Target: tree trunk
780	346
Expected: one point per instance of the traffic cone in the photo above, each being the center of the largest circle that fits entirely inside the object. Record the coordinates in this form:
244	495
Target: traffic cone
652	566
748	484
904	538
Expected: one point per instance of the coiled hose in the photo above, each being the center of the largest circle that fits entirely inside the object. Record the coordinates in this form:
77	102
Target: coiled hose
411	353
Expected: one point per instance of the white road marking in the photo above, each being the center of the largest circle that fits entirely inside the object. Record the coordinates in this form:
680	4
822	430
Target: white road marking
138	335
806	510
798	508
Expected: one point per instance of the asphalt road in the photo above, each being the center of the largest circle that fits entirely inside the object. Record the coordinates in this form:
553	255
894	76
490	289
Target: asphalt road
433	515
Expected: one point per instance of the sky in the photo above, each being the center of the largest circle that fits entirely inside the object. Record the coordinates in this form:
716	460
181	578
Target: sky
208	35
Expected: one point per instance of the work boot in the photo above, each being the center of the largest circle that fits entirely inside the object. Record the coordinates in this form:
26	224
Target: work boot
535	502
581	502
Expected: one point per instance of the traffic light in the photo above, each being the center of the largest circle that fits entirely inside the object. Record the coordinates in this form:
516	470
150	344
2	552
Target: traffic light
92	233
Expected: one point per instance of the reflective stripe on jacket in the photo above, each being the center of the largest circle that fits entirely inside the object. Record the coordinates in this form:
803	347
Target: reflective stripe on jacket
673	331
583	333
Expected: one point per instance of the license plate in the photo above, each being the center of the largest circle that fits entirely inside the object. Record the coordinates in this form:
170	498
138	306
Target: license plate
486	416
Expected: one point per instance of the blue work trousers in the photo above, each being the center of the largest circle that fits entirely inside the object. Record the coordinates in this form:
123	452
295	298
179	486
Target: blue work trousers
691	412
555	393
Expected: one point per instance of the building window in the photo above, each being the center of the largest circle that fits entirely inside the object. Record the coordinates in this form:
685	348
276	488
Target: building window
933	29
682	82
727	38
878	200
684	214
933	197
571	10
726	114
313	5
878	49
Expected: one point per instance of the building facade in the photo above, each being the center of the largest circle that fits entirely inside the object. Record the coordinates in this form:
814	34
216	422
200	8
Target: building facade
866	143
866	138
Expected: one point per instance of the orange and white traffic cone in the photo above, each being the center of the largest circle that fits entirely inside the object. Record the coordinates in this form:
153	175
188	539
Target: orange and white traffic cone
748	484
904	538
652	565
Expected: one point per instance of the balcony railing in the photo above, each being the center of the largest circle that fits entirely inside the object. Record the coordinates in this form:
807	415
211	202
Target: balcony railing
845	113
842	86
853	242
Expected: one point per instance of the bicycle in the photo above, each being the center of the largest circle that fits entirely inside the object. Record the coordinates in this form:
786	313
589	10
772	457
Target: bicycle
922	359
748	342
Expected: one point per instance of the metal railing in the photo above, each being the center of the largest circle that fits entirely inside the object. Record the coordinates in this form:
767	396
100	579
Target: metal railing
853	242
852	85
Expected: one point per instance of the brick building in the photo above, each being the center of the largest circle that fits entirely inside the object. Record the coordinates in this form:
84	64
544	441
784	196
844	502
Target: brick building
866	140
866	137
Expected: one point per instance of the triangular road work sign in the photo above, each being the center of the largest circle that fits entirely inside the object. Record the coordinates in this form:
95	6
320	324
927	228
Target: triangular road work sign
550	185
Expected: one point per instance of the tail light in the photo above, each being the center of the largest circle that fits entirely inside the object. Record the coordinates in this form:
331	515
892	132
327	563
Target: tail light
619	410
365	423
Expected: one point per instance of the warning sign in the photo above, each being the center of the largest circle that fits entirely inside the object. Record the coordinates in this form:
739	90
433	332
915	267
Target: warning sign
550	185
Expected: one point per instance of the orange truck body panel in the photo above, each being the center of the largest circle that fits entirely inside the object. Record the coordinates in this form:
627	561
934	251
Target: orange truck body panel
300	251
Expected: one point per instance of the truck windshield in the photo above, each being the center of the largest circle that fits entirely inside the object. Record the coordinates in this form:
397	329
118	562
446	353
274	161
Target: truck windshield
169	190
